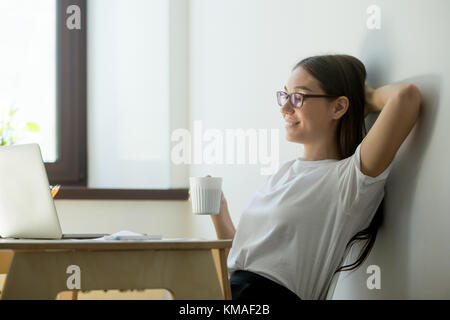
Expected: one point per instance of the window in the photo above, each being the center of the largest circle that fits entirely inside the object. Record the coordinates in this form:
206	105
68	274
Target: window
128	94
28	71
58	75
43	76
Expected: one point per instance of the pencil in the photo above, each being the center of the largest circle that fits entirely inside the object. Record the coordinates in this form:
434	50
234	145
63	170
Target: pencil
55	190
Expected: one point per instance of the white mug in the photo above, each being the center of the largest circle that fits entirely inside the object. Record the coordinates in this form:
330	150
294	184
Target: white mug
206	194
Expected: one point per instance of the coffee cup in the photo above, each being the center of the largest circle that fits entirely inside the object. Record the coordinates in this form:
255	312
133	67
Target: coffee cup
206	194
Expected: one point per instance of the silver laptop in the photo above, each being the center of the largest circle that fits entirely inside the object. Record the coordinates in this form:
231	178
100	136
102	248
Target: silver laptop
27	210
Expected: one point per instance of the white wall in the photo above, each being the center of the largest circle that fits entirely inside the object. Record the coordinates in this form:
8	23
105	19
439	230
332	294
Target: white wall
168	218
243	51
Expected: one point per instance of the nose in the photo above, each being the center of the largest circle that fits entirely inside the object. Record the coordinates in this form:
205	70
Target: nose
287	108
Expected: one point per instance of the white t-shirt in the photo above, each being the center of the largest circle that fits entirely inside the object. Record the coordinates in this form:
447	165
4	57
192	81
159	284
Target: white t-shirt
295	229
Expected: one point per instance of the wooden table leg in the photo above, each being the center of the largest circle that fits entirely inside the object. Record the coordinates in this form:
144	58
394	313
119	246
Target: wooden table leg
224	274
187	274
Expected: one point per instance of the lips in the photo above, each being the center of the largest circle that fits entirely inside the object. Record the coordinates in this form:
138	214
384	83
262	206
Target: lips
291	124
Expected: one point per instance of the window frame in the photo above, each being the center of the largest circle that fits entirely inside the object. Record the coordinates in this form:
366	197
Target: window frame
70	165
70	168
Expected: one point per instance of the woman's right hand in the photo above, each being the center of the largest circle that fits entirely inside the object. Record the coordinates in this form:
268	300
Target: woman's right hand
222	221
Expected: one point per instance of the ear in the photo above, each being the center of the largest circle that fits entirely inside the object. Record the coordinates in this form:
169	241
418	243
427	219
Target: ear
340	107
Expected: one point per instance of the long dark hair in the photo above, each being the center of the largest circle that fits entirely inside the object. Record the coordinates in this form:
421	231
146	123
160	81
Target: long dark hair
345	75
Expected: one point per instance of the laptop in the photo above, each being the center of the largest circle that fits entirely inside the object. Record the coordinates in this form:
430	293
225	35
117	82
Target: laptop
27	209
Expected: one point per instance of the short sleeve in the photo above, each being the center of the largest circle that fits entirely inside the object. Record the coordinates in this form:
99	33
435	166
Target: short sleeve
358	191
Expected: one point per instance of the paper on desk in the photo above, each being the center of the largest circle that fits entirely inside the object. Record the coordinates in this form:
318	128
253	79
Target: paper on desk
129	235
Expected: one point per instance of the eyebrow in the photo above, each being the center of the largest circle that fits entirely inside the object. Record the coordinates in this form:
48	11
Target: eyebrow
299	87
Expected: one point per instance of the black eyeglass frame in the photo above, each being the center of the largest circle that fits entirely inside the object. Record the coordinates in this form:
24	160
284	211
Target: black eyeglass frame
303	96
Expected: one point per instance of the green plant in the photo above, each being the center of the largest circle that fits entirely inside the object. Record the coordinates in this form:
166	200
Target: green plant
10	130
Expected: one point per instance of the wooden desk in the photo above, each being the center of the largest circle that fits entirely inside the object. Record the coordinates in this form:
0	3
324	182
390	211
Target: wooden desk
189	269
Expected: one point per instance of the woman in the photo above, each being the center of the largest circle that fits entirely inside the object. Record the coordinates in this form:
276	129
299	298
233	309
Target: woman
298	227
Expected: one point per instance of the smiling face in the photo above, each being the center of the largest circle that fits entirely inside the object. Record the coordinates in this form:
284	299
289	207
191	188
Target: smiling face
316	119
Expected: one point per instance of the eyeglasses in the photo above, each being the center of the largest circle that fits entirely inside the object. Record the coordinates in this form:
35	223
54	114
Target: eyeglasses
297	98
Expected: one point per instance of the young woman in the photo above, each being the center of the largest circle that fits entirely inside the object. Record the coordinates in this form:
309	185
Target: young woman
298	227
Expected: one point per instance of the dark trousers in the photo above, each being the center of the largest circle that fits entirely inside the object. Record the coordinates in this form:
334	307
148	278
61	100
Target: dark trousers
246	285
